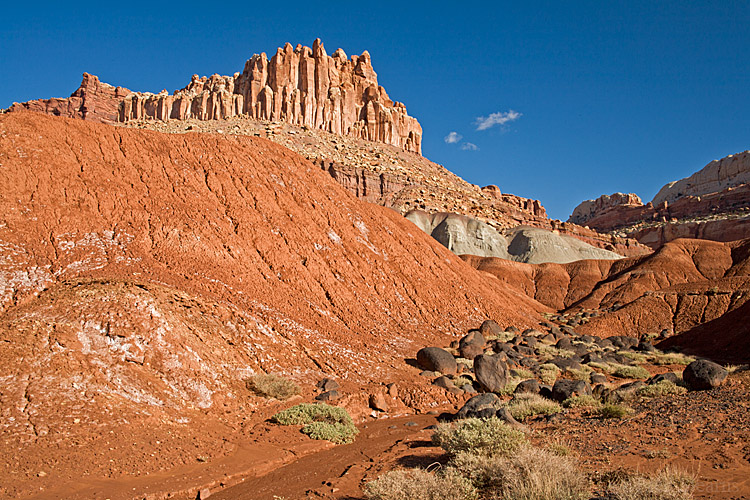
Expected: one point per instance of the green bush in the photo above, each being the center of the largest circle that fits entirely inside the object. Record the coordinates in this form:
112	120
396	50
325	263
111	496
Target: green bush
548	373
320	421
272	386
527	405
418	484
479	436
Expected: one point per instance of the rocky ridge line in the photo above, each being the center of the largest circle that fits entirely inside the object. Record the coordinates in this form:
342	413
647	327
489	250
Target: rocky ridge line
303	86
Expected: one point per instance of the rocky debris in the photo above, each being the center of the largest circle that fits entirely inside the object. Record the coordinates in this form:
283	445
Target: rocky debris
327	384
703	374
491	371
437	360
330	395
377	402
303	86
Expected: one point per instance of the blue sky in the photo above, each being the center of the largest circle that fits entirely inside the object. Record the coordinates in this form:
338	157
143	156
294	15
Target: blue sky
596	97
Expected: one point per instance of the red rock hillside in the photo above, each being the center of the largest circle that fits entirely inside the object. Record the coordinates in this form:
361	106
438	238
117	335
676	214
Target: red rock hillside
144	276
302	86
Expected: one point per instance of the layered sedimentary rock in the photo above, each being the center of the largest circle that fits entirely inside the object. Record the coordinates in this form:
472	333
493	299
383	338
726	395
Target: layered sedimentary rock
711	204
590	209
93	100
303	86
731	171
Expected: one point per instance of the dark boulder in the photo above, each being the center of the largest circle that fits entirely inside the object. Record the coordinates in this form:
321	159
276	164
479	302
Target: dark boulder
437	360
530	386
490	328
564	389
704	374
474	407
491	371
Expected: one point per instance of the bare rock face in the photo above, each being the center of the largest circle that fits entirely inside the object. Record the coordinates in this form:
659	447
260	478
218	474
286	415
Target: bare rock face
303	86
592	208
93	100
718	175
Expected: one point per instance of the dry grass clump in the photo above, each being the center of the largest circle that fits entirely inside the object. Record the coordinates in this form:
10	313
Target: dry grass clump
417	484
583	401
624	371
669	484
547	352
662	388
272	386
478	436
610	410
468	363
582	374
529	474
548	373
638	357
462	381
527	405
670	358
523	374
320	421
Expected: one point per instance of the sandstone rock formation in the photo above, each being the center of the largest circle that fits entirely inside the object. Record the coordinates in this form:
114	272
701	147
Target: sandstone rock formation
302	86
93	100
730	171
711	204
592	208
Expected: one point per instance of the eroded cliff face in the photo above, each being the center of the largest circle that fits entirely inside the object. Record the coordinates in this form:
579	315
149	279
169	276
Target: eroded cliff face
302	86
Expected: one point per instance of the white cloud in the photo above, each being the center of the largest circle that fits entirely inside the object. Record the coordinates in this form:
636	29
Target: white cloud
453	138
500	118
468	146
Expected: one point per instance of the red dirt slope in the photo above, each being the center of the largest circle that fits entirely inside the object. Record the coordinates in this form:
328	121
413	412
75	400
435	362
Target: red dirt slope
144	275
684	284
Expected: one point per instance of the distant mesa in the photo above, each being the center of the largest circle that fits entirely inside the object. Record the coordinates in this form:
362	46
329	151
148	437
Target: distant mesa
711	204
302	86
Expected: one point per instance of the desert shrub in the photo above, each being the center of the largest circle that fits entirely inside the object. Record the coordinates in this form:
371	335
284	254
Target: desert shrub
523	374
462	381
670	358
418	484
272	386
320	421
547	352
478	436
583	401
528	474
559	449
527	405
662	388
580	374
624	371
548	373
669	484
605	367
638	357
610	410
510	386
469	363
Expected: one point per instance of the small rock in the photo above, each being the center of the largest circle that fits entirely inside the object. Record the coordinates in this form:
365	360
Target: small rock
378	402
527	386
476	404
490	328
328	396
203	494
327	384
